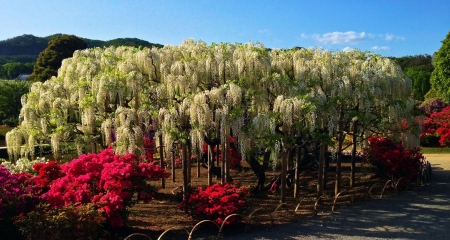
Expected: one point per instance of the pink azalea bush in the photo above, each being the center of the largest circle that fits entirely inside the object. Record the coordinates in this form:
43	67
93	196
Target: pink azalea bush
18	194
107	180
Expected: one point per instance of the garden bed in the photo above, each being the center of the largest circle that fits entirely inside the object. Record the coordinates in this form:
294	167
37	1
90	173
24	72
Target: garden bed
164	214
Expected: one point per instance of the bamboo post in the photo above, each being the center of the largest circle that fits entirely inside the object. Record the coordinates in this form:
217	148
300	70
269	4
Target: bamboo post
189	163
337	187
172	153
321	169
227	155
210	157
161	158
185	174
297	172
283	175
352	173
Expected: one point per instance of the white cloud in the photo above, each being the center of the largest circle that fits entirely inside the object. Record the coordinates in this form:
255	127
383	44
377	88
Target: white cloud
390	37
341	38
346	49
384	48
263	31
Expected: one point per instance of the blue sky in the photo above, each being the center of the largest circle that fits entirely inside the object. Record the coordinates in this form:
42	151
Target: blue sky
388	27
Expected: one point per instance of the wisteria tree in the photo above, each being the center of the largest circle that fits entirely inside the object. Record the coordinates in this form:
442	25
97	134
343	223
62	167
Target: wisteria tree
266	99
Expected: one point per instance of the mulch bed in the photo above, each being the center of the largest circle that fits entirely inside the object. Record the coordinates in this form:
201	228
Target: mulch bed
163	214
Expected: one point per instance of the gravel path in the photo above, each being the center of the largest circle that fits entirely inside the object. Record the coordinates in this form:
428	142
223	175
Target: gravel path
421	213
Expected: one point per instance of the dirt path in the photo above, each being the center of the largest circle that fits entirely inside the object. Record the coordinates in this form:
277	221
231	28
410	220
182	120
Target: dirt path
422	213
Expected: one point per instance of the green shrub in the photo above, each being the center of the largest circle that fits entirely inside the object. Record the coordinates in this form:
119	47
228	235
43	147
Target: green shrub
74	221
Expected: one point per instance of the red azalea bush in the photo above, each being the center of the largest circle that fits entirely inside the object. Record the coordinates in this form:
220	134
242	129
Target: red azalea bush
216	202
107	180
391	159
235	156
149	147
437	126
47	173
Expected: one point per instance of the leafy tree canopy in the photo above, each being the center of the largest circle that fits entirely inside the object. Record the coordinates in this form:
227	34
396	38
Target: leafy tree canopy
440	78
132	42
12	70
11	92
418	68
59	48
23	45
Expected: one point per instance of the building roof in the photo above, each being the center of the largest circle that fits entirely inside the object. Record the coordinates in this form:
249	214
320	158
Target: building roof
23	76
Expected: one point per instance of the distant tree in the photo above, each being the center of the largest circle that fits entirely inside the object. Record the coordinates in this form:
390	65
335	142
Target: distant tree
23	45
12	70
418	68
11	92
59	48
440	78
421	81
131	42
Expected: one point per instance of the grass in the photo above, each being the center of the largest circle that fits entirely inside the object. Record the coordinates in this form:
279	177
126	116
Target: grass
4	129
434	150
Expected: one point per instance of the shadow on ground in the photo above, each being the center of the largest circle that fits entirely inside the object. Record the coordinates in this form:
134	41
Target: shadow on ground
419	213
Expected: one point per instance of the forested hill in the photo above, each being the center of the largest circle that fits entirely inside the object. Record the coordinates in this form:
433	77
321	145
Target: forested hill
26	48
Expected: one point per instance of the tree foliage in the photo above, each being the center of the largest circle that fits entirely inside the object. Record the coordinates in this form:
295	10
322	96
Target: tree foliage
131	42
23	45
186	92
11	92
59	48
12	70
440	78
418	68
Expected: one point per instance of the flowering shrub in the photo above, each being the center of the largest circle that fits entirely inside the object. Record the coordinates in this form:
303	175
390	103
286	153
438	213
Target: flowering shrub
22	165
47	173
432	105
437	126
18	194
391	159
150	148
235	156
73	221
216	202
108	181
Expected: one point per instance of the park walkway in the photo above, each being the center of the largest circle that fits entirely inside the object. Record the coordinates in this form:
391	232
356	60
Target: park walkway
421	213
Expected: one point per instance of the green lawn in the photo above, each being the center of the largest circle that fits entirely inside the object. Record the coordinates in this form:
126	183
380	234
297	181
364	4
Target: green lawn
431	150
4	129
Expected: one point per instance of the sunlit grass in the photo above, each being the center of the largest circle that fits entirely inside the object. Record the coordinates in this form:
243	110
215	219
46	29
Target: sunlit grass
4	129
434	150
